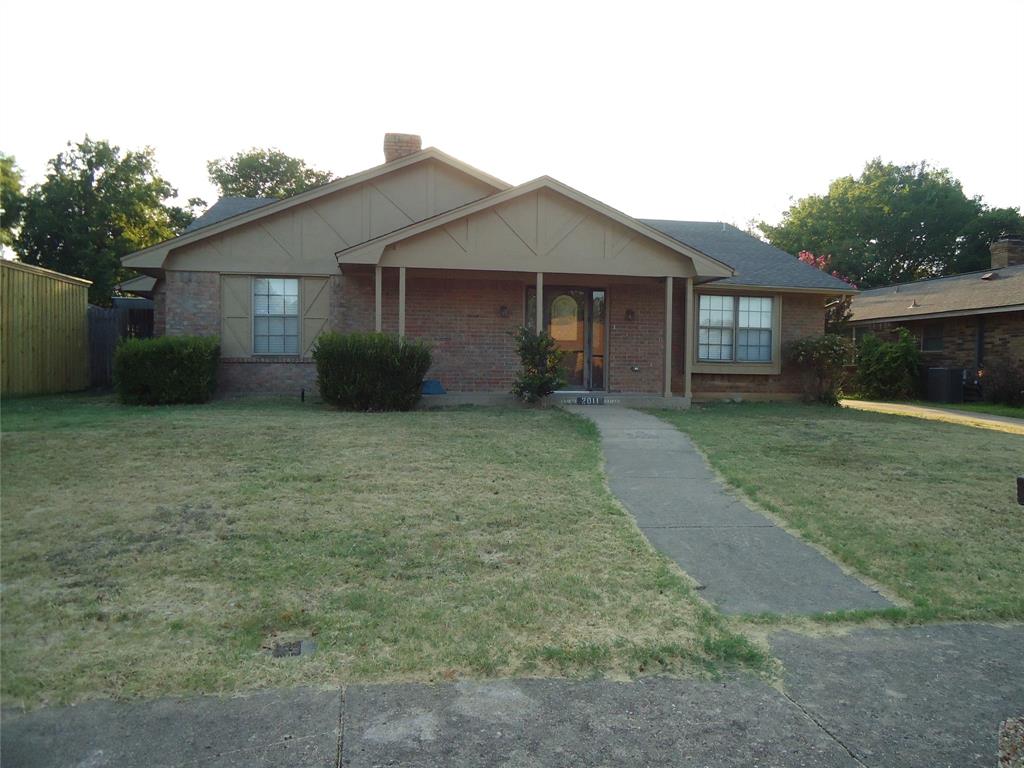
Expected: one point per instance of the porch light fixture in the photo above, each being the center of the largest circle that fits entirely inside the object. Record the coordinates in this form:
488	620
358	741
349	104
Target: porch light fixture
631	315
503	311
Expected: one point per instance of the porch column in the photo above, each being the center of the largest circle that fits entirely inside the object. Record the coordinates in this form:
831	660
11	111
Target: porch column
540	302
688	316
668	337
401	302
378	283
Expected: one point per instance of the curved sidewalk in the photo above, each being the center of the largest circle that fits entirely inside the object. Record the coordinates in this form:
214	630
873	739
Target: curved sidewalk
967	418
744	562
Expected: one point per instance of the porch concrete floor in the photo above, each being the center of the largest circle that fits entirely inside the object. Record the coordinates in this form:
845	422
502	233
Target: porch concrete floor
744	562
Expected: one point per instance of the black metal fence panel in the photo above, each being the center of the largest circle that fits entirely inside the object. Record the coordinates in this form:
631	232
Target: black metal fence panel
106	328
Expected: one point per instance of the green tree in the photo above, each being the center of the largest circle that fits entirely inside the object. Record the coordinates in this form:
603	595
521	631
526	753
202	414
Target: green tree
893	224
97	205
264	173
12	199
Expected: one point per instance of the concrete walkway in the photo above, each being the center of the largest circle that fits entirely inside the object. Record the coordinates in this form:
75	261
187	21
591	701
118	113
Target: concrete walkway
883	698
745	563
967	418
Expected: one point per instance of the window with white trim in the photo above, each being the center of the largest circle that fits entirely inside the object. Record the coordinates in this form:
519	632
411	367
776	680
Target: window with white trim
275	317
735	329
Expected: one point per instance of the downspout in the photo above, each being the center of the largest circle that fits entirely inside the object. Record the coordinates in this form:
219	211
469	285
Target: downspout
979	345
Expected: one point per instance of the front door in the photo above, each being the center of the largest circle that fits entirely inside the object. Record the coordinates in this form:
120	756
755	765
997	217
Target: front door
575	319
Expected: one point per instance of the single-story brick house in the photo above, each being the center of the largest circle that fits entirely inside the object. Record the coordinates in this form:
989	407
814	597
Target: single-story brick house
962	321
430	247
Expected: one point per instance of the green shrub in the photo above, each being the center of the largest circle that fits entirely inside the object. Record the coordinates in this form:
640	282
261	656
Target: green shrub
541	360
166	370
888	369
821	360
370	371
1003	382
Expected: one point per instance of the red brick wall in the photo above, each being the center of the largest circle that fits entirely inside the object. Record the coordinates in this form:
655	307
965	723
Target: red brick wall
192	303
159	308
802	315
1004	339
472	344
284	376
639	342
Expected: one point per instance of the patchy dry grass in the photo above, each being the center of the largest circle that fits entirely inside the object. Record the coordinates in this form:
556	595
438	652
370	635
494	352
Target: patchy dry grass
151	551
925	508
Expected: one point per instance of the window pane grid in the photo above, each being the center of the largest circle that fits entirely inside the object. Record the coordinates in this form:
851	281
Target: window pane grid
275	316
735	328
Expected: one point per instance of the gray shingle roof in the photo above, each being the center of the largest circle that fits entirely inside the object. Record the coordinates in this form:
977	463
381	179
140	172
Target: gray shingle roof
227	207
957	293
755	261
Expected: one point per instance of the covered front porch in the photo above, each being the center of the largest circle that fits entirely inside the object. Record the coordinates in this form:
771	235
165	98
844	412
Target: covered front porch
620	335
610	290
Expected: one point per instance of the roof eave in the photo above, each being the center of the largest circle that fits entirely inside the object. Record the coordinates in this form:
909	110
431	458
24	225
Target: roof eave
792	289
934	315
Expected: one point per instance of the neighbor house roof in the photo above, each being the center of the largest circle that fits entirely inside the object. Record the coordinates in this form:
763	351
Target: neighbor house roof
371	251
757	263
152	258
227	207
141	285
989	290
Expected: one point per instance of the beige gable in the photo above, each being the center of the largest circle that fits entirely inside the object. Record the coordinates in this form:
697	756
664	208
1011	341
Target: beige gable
236	315
316	307
542	231
304	238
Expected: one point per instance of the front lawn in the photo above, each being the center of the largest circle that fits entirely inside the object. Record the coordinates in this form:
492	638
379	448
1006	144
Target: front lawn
151	551
926	508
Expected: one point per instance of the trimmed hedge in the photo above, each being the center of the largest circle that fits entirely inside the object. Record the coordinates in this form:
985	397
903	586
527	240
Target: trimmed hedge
370	371
166	370
888	370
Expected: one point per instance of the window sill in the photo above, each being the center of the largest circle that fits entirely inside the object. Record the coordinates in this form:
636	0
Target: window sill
773	368
268	359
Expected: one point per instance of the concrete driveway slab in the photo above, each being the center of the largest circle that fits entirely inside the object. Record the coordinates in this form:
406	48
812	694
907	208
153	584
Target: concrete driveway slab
651	722
910	696
291	727
746	563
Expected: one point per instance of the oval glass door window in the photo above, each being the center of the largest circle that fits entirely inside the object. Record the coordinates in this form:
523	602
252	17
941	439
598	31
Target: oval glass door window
565	316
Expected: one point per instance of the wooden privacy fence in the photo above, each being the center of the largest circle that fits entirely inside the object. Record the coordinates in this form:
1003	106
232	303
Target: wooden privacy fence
43	330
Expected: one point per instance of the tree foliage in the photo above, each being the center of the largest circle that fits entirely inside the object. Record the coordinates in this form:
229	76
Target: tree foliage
97	205
264	173
893	224
12	199
837	311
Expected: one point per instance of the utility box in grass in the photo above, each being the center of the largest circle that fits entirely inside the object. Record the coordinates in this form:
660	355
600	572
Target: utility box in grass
945	385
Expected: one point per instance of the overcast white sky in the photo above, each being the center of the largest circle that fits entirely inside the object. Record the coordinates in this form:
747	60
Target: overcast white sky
711	110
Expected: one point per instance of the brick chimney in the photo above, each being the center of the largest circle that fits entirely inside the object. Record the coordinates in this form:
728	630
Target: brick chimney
398	145
1007	251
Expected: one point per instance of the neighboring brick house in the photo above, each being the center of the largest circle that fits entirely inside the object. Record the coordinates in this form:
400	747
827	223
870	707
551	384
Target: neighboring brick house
965	321
429	247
